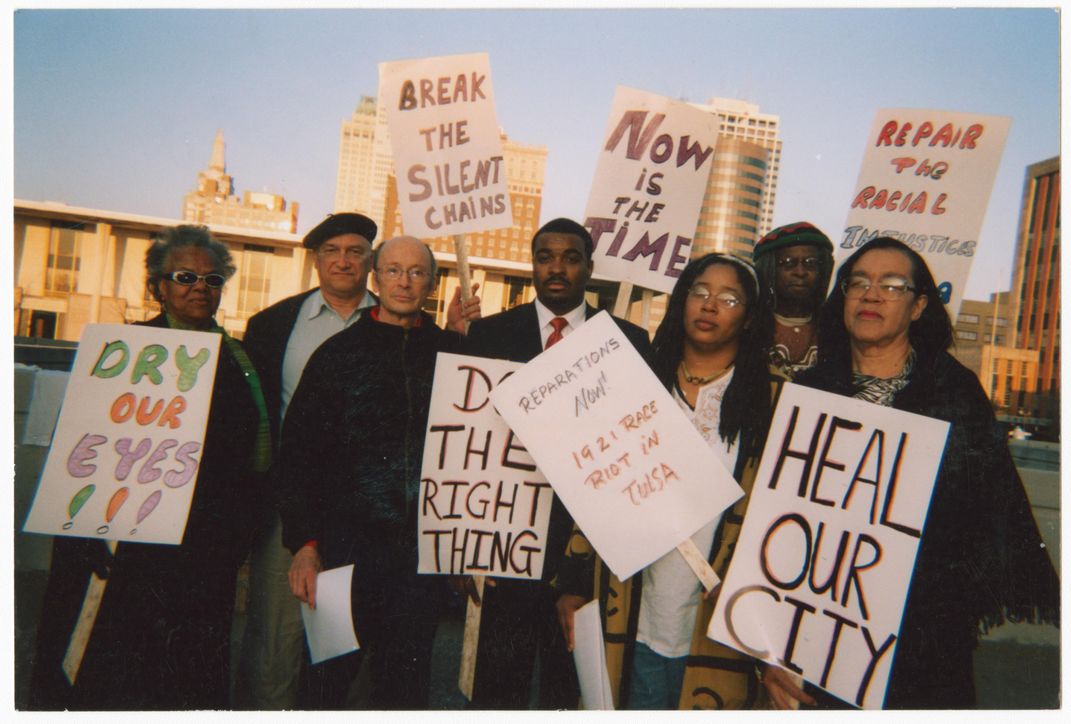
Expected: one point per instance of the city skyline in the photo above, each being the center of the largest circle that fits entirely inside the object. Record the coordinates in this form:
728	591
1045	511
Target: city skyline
101	97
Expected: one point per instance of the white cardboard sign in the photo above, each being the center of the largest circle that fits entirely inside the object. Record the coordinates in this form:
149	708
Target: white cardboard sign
484	506
822	568
633	472
445	141
124	459
649	184
925	180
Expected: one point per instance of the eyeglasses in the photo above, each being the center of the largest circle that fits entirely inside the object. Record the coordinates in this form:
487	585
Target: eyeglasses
394	273
889	288
352	253
188	279
724	300
810	263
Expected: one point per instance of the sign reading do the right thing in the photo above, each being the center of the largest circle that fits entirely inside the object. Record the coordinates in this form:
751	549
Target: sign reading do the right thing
823	565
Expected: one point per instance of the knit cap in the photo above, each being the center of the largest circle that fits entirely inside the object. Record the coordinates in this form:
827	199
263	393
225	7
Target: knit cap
801	232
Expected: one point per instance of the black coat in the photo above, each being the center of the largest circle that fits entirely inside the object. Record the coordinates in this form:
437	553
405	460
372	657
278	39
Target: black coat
514	335
980	560
161	638
353	442
266	335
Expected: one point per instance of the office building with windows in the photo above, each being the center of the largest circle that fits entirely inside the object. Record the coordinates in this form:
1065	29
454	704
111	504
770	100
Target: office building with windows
214	203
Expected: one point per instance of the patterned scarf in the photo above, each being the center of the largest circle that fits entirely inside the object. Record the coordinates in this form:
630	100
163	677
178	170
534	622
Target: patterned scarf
261	457
880	390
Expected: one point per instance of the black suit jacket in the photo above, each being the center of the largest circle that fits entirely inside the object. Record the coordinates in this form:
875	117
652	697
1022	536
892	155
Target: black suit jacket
514	335
266	335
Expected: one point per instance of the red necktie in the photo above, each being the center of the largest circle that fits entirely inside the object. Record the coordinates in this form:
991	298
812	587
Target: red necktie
559	323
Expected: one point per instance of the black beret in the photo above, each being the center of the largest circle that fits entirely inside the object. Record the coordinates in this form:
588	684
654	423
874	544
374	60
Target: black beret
338	224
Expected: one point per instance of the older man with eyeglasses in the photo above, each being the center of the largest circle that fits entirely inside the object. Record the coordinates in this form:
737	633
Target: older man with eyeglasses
349	470
280	340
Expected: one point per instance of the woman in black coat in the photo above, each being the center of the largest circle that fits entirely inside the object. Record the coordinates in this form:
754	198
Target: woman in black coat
883	337
161	637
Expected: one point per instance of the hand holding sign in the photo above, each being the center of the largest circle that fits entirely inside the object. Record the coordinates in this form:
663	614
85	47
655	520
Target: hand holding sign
821	570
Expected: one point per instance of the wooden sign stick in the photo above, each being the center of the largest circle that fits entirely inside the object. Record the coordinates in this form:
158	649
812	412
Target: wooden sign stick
76	649
461	252
624	297
471	640
645	314
699	565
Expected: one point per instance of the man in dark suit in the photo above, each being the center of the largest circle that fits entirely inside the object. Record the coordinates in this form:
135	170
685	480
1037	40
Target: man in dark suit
519	619
279	341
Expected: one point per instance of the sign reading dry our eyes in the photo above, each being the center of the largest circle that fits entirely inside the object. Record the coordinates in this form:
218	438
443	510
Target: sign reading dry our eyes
823	565
484	507
649	186
446	146
125	455
634	473
925	180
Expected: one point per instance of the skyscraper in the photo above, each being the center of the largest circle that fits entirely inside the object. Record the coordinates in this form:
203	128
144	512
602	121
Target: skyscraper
360	185
738	207
214	202
1036	280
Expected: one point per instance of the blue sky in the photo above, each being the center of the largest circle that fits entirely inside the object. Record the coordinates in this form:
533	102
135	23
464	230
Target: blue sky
116	109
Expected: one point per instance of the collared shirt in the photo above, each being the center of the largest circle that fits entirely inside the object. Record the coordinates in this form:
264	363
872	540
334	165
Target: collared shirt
575	318
316	322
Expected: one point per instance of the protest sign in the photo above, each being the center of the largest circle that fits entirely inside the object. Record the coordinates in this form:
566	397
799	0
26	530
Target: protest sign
484	507
124	459
822	568
634	473
649	184
925	180
446	146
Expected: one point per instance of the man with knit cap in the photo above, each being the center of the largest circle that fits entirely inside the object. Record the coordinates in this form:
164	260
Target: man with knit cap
794	263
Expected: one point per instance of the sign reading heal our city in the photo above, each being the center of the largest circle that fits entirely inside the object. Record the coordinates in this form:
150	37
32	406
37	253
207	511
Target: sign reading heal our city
925	180
125	455
630	467
484	506
649	184
448	163
823	565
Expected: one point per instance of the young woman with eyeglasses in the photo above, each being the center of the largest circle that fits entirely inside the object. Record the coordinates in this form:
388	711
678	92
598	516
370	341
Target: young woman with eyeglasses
709	353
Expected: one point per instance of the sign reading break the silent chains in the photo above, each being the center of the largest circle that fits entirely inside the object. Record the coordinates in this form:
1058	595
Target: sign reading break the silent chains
632	470
822	569
446	145
124	458
484	507
925	180
649	184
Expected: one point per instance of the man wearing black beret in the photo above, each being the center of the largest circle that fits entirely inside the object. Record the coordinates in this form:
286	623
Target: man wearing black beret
279	341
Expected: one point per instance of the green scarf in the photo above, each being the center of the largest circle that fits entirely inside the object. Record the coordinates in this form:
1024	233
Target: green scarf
261	457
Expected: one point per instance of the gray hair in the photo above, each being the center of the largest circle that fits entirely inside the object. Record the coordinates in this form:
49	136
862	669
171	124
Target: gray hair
171	239
431	255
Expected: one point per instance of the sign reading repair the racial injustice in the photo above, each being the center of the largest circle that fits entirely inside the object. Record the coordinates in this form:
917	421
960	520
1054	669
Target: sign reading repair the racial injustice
822	569
124	459
446	146
484	507
648	189
634	473
925	180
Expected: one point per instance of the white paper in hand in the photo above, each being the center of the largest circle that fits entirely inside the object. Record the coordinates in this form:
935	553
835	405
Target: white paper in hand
329	627
589	653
